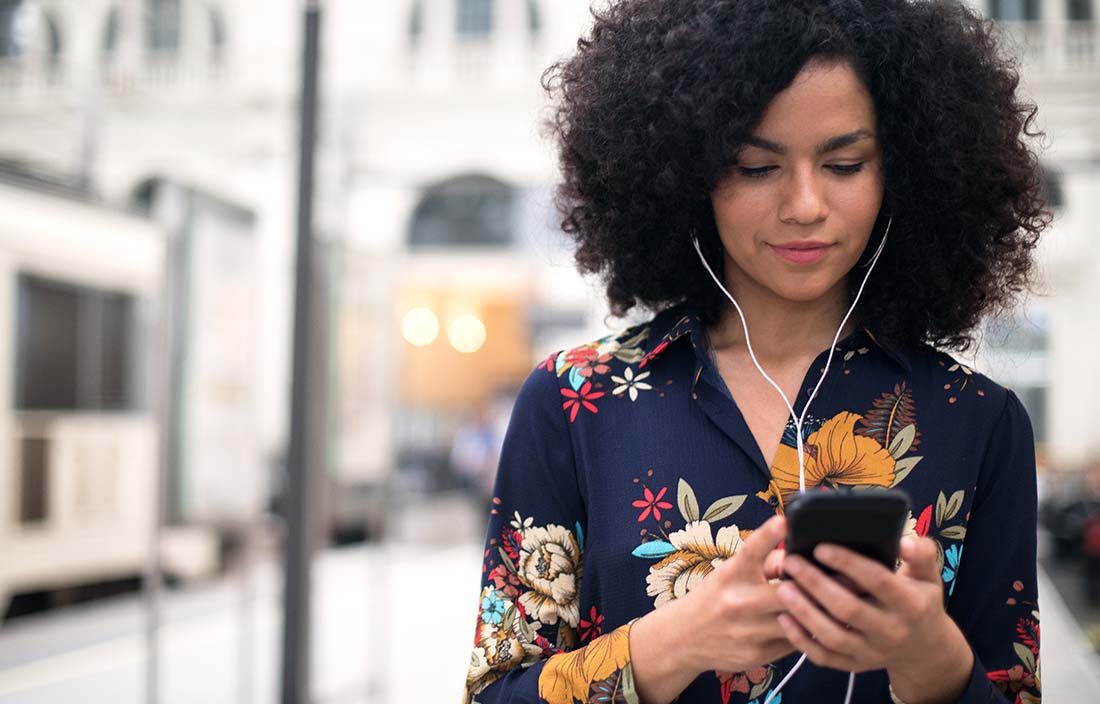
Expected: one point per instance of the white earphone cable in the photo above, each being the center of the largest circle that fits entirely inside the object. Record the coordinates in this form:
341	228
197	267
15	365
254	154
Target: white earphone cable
800	419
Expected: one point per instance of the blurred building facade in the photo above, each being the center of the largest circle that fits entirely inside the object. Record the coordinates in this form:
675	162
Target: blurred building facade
435	187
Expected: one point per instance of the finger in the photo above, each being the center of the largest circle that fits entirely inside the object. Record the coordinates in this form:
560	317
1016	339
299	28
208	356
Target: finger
869	615
815	619
748	563
818	654
869	576
773	564
920	559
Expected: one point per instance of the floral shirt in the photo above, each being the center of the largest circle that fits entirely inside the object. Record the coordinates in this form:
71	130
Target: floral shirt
628	472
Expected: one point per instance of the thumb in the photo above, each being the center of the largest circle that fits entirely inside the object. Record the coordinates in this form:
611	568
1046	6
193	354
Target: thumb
920	559
748	563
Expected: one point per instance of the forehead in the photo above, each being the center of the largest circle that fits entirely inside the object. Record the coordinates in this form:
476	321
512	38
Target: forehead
824	100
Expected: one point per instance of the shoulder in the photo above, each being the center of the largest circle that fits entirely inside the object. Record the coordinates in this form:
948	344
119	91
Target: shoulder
966	391
609	354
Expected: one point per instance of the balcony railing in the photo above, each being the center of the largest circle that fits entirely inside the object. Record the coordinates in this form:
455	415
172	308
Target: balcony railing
1056	47
29	78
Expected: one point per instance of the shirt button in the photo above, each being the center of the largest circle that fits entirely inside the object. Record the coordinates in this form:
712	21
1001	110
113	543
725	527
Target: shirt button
773	500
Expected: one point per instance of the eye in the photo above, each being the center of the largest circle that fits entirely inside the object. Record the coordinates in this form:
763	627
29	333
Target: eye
758	172
846	169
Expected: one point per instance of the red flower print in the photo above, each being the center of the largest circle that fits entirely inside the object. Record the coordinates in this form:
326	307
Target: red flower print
582	398
586	360
549	363
740	681
506	581
652	503
511	540
1013	679
925	521
591	627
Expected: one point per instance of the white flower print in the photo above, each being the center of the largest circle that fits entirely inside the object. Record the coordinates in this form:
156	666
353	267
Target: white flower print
628	383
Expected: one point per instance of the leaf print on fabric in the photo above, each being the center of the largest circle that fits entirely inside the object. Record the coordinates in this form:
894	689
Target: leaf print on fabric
576	399
569	676
630	384
550	566
835	456
889	414
697	553
608	691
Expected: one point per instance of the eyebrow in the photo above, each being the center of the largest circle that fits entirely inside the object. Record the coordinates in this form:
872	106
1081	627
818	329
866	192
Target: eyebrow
831	144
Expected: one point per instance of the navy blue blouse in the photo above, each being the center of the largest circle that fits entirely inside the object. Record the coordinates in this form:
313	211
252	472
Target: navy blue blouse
628	472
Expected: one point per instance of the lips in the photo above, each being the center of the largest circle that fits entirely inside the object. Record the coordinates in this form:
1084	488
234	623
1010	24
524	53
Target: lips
806	252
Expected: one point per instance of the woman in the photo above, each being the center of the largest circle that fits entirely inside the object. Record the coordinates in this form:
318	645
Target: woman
850	171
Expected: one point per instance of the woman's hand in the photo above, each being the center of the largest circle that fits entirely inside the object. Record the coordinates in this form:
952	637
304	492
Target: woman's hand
726	623
900	624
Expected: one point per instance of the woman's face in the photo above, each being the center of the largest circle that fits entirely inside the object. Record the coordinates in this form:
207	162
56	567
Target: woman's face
796	211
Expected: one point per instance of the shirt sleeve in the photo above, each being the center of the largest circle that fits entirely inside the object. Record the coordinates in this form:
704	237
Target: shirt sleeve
526	645
994	600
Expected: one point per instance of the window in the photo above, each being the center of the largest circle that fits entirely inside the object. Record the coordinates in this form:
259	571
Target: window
1050	189
1018	356
110	33
534	18
1014	10
1079	10
416	23
74	347
162	25
15	20
469	210
475	18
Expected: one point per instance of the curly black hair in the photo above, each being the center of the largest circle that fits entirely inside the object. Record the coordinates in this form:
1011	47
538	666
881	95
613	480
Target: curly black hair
651	111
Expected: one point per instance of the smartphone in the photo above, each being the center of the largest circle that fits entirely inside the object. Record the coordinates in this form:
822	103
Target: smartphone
869	522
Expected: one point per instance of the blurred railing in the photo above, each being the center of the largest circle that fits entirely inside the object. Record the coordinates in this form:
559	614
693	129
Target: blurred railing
1054	47
83	485
29	78
23	76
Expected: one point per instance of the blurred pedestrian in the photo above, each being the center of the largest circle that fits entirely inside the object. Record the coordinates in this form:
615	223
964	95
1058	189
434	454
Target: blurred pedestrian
1090	534
475	449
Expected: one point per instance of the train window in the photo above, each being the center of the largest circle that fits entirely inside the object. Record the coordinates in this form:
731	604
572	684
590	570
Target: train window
74	347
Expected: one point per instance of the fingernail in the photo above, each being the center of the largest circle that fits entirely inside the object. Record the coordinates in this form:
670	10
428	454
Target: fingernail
824	553
792	565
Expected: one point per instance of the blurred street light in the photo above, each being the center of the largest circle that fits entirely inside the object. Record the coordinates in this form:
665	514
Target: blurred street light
420	326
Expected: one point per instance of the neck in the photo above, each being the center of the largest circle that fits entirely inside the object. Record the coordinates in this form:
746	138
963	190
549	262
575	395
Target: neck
781	330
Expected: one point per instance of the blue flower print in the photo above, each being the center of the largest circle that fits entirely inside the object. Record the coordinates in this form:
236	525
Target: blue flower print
492	608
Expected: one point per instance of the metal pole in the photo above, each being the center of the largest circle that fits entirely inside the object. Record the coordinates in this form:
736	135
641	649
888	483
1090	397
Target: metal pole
171	211
299	487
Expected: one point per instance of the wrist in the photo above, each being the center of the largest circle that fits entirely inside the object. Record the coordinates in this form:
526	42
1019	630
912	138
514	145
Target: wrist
952	661
661	654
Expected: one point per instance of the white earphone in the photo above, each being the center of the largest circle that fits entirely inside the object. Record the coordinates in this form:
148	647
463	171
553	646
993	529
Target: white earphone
800	419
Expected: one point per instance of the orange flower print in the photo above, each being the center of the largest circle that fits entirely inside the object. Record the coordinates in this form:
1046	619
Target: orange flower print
834	456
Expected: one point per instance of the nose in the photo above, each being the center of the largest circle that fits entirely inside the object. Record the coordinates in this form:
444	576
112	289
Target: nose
803	198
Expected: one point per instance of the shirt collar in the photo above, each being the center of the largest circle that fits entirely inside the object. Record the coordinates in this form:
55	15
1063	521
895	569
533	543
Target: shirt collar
682	322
